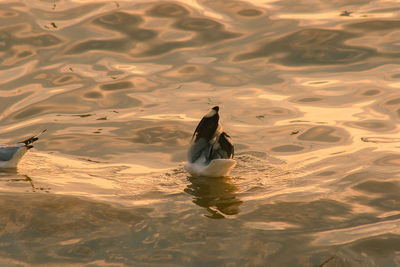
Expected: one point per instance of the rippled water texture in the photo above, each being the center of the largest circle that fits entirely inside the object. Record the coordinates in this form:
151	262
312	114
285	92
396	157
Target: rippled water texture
308	90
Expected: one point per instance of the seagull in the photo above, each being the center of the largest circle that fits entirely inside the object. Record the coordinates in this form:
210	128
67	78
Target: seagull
211	151
10	155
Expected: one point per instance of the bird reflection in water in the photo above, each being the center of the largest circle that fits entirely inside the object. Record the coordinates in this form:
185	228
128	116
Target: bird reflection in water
12	178
216	195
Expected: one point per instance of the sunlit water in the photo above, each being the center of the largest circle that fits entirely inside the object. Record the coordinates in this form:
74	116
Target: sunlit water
308	90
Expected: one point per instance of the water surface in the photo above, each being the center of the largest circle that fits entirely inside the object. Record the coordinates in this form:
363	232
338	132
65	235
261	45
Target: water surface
308	91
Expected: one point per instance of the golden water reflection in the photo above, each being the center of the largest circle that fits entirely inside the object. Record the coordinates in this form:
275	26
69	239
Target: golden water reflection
307	90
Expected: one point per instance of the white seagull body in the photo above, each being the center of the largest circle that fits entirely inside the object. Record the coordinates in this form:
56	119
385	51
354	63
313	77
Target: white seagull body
211	151
10	155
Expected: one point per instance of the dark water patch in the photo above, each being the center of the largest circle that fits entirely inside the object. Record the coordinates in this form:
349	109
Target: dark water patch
65	14
93	95
83	115
249	12
298	7
6	12
309	99
49	79
112	45
5	41
380	246
40	109
327	173
188	72
19	43
318	82
382	187
32	111
257	154
198	24
287	148
269	78
141	35
52	236
391	102
217	36
371	92
387	202
356	177
94	146
318	6
99	67
117	99
117	86
42	40
118	20
188	69
165	47
167	135
205	74
168	10
6	102
378	10
227	80
125	23
375	25
79	253
237	10
392	160
114	73
322	134
311	47
24	54
66	79
377	139
390	106
372	125
207	31
162	257
315	214
277	112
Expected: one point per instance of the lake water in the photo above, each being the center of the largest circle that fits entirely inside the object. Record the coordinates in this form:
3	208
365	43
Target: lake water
308	90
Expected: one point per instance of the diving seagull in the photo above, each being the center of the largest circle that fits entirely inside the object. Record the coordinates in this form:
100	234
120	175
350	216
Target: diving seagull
211	151
11	154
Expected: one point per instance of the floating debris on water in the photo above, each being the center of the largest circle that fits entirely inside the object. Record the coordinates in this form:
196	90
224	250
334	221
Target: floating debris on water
346	13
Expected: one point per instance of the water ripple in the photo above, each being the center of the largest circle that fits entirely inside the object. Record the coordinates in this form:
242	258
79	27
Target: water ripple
307	90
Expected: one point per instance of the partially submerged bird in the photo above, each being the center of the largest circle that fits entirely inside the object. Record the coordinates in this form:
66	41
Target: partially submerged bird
211	151
10	155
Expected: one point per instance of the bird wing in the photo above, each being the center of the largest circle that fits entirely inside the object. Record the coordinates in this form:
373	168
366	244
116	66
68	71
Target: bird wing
225	142
206	128
199	127
198	151
7	152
